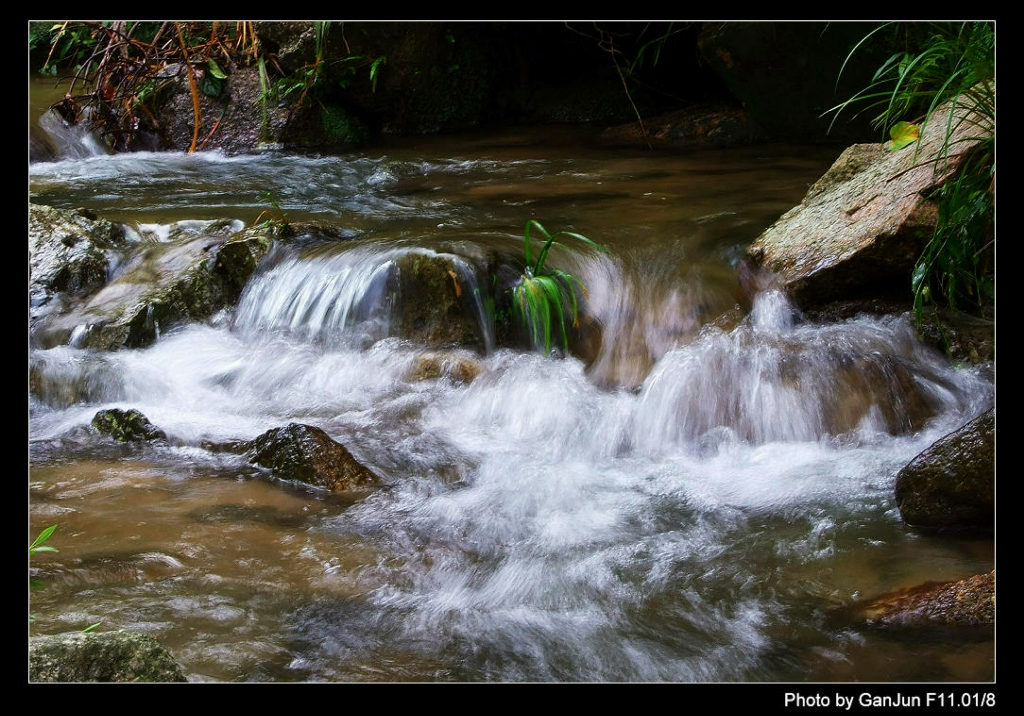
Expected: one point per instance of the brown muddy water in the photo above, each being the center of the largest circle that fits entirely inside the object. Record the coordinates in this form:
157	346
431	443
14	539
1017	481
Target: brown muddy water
697	505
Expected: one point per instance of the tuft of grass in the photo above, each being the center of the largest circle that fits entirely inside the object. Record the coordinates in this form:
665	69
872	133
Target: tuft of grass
939	63
543	297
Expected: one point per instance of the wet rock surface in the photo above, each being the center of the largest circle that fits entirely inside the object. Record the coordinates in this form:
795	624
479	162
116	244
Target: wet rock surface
126	425
432	305
119	656
187	278
69	252
951	485
307	454
968	602
451	365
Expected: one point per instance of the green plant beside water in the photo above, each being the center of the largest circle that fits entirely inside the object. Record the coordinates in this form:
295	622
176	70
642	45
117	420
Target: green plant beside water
37	546
543	296
939	63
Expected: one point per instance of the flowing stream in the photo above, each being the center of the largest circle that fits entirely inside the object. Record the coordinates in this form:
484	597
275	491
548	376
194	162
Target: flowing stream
698	503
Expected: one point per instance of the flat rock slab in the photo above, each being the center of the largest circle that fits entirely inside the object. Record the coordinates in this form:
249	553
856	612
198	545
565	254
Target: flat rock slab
861	228
968	602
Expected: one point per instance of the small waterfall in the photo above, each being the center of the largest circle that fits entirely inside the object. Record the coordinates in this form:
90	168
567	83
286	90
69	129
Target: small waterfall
346	297
771	380
71	141
321	297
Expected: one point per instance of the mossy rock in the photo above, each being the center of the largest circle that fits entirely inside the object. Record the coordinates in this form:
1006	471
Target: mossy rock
68	251
118	656
126	425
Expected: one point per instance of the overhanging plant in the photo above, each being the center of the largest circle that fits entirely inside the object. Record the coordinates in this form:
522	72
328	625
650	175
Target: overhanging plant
939	63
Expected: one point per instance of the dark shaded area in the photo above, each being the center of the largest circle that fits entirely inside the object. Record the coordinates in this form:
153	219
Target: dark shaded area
698	83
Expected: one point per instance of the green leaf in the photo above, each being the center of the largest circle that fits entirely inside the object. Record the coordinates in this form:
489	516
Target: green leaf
210	85
903	134
215	70
43	536
91	627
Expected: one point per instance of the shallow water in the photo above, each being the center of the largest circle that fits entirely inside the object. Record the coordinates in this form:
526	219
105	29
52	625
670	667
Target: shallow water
696	504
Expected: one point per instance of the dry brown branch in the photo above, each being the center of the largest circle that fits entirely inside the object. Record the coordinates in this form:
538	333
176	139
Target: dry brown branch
196	113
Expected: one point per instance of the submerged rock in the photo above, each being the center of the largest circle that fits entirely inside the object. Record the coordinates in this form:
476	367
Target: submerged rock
117	656
456	368
703	126
968	602
861	228
69	252
307	454
951	485
126	425
169	283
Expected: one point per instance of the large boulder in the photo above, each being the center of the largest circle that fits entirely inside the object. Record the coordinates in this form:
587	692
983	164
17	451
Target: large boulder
951	485
189	277
307	454
861	228
968	602
69	252
117	656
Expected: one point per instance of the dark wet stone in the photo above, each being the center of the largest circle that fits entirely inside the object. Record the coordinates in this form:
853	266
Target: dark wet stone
118	656
432	305
126	426
951	485
307	454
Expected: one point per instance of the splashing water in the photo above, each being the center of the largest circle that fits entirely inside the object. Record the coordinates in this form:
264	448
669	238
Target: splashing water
689	505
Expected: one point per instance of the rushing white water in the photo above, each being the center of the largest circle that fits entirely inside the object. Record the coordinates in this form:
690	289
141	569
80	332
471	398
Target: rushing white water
72	141
695	521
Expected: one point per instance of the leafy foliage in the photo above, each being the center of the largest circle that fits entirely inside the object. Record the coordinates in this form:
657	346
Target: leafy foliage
939	63
543	296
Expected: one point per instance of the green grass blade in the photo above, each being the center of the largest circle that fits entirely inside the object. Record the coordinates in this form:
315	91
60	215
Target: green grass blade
43	536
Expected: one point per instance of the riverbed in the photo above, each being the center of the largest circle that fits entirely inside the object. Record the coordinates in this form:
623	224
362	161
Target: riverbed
700	502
